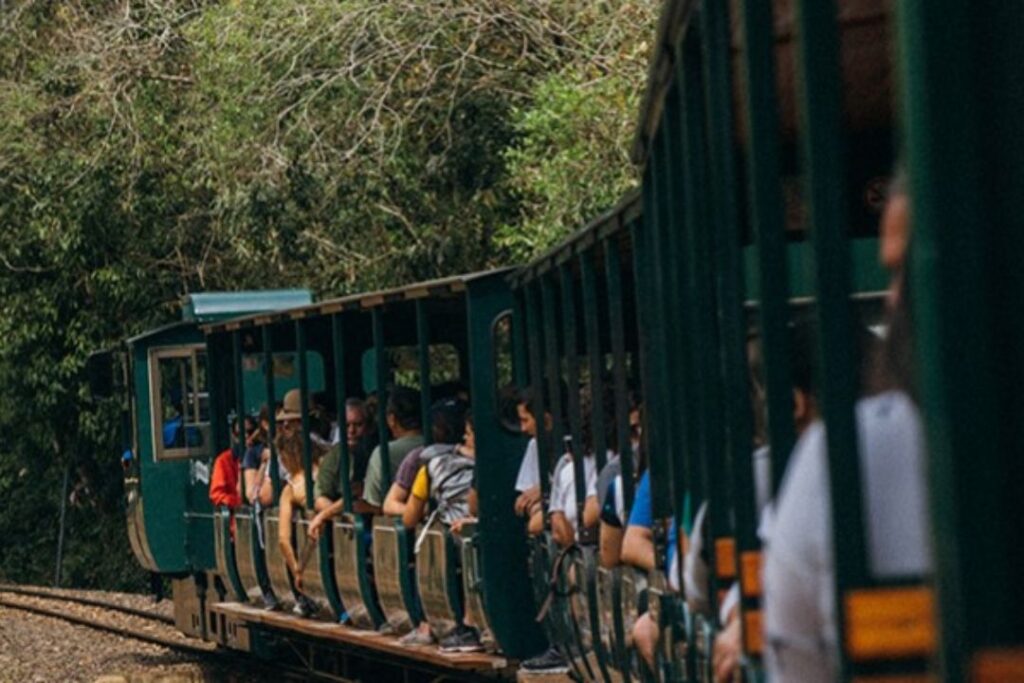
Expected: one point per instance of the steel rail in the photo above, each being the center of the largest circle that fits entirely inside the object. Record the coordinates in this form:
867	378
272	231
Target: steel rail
82	600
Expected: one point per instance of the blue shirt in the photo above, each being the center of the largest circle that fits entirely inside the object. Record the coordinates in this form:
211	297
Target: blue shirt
643	515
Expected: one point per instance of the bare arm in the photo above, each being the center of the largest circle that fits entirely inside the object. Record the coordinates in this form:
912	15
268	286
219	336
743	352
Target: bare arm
536	524
284	535
327	509
638	547
252	481
526	501
591	512
396	500
473	503
415	508
611	545
561	530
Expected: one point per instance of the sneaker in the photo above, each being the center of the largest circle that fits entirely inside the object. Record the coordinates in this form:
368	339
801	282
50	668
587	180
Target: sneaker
386	629
551	662
416	637
304	607
462	639
270	602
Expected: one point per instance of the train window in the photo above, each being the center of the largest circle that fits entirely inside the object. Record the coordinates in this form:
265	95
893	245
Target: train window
504	372
180	402
404	366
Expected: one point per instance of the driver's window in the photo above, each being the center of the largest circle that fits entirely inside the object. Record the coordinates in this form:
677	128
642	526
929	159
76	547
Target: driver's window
181	402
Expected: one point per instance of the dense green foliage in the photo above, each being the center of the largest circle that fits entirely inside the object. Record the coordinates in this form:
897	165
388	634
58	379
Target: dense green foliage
149	148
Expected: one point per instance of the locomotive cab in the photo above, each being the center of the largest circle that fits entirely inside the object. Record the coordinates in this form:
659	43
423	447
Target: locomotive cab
169	451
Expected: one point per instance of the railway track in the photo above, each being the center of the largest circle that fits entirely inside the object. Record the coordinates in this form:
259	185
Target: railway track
48	604
135	624
83	600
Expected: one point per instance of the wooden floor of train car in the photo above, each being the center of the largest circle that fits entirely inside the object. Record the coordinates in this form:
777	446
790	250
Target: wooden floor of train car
468	661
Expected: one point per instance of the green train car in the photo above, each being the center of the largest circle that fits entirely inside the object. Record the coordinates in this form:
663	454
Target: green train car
742	317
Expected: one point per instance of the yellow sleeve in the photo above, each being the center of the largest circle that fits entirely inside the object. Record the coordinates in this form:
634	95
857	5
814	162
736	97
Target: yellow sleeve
421	486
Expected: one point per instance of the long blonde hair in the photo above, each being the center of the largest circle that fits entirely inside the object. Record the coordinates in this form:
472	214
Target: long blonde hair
289	450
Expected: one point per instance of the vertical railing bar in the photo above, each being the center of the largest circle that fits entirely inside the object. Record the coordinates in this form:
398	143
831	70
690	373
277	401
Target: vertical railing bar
535	339
237	377
340	398
661	456
380	372
268	369
595	355
738	433
307	439
571	347
822	148
423	352
767	221
553	365
613	276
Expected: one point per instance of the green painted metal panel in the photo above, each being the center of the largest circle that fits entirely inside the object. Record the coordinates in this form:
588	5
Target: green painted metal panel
502	541
616	321
304	393
423	360
168	487
340	396
961	66
822	150
286	375
269	397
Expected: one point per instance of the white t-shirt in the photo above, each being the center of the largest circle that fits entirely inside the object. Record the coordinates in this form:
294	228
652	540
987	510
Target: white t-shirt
563	489
529	470
695	569
799	600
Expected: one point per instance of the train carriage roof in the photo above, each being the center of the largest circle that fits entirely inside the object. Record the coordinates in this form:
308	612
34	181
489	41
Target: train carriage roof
440	287
675	17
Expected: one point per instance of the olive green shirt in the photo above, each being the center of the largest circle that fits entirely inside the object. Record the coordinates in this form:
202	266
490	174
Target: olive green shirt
328	479
373	486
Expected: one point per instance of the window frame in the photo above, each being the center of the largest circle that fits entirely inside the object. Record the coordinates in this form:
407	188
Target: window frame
190	352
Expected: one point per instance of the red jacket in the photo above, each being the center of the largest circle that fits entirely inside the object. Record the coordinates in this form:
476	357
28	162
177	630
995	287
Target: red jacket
224	482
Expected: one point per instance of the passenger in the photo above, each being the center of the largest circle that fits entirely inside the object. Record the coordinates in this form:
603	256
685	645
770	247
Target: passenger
610	502
257	454
638	551
329	502
403	416
294	499
225	481
444	475
799	598
528	502
566	529
366	443
728	642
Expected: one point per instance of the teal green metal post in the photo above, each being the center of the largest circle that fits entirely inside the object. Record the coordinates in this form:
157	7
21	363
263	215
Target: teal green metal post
552	364
728	285
239	446
822	149
340	397
268	374
535	339
767	220
961	70
595	354
307	441
616	321
423	356
380	370
572	374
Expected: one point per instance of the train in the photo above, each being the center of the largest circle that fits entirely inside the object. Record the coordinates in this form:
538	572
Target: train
765	144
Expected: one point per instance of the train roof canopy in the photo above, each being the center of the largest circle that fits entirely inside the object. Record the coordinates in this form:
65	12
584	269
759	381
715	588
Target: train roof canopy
446	286
205	307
